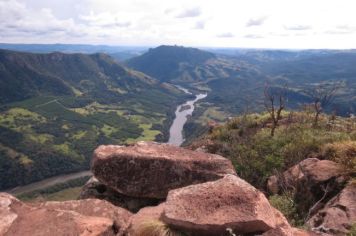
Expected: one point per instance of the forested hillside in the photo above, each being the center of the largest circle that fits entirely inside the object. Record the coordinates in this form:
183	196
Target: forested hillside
56	108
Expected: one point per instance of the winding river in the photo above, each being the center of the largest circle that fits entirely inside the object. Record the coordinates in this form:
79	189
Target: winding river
182	112
175	138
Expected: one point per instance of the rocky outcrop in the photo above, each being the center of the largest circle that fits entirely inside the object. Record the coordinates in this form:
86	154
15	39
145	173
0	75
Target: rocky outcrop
312	181
311	171
338	215
150	170
88	217
93	189
210	208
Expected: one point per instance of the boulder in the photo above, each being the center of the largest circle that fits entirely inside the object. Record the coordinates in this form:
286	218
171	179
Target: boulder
150	170
94	189
311	180
213	207
314	170
338	215
87	218
92	207
7	215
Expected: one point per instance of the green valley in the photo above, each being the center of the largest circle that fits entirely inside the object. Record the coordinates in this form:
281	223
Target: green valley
57	108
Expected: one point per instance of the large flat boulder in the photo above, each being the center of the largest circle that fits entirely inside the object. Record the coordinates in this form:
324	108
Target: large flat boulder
85	218
338	215
211	208
149	169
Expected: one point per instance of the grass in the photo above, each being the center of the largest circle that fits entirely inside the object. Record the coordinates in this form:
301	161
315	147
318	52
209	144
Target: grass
79	135
343	152
66	149
108	130
40	138
256	155
25	160
285	204
212	113
156	228
147	134
18	116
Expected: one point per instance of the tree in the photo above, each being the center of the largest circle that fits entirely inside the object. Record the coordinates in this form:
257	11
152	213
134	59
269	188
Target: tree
274	102
322	96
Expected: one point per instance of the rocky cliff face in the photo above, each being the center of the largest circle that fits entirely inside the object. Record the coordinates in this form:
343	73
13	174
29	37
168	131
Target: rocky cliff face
196	194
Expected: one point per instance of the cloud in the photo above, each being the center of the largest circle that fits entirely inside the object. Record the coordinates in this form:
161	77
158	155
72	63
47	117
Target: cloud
341	29
16	19
190	12
225	35
190	23
200	24
298	27
257	21
106	19
253	36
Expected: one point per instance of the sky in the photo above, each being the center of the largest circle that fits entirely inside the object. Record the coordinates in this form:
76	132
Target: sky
294	24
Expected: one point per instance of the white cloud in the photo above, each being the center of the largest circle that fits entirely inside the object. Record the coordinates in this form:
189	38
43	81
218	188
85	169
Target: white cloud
298	27
200	24
227	23
190	12
225	35
256	21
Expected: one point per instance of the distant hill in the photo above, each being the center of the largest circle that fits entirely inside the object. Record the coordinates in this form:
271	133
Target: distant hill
180	64
56	108
120	53
26	75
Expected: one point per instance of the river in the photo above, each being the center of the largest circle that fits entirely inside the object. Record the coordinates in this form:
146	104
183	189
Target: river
182	112
48	182
175	138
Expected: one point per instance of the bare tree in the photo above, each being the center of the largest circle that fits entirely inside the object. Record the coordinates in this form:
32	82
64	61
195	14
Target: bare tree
322	96
274	102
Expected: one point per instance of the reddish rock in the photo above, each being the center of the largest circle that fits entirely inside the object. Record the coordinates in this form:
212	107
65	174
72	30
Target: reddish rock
338	215
7	215
309	180
150	169
94	189
210	208
57	219
93	207
146	214
314	170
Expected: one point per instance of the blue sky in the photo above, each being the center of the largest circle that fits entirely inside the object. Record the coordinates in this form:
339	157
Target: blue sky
223	23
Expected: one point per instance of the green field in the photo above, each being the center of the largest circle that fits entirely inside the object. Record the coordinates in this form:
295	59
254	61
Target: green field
43	137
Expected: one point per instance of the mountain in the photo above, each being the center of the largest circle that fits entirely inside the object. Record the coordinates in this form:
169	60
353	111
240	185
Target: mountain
26	75
56	108
181	64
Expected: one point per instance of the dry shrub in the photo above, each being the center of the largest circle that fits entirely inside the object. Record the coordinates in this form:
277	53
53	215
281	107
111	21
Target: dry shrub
156	228
341	152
